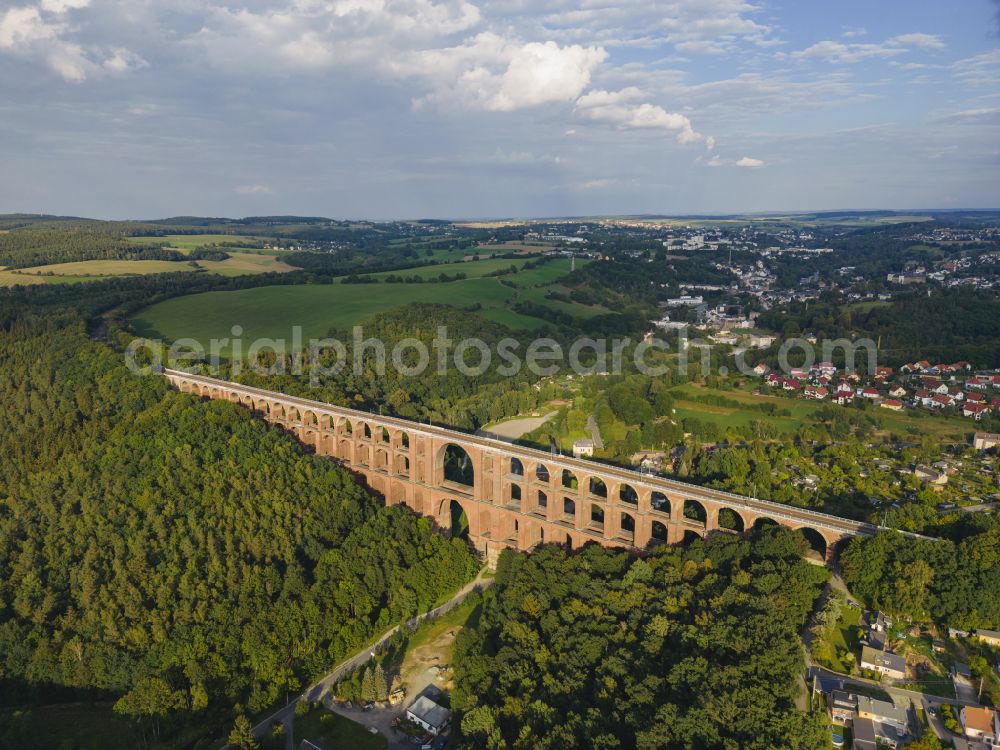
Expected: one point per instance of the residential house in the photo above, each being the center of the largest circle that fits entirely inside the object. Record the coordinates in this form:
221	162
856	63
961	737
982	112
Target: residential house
897	391
982	441
929	475
991	637
825	368
893	404
843	705
760	370
760	341
869	393
883	373
429	715
939	401
889	721
980	724
583	448
976	411
883	662
864	735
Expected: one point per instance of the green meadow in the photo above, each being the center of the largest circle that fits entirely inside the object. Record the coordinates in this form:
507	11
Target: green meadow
800	410
272	311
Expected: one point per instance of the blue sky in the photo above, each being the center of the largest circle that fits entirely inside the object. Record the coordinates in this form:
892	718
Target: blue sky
495	108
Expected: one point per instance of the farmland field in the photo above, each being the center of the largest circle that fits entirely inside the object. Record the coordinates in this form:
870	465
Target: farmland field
237	264
270	312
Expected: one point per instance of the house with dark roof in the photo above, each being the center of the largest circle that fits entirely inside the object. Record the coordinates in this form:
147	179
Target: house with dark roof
883	662
864	735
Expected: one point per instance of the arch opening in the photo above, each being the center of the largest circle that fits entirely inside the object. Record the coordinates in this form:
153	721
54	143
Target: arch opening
542	473
569	508
596	516
458	520
569	480
658	501
695	511
627	494
690	537
731	520
627	526
516	467
659	532
458	466
598	488
816	541
763	522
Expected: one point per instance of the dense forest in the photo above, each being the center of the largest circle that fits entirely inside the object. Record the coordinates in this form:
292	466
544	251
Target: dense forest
87	241
448	396
180	556
945	326
956	584
695	648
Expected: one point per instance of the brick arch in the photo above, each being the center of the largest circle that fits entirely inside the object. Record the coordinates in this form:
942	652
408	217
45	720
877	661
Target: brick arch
440	475
740	520
627	494
814	537
443	514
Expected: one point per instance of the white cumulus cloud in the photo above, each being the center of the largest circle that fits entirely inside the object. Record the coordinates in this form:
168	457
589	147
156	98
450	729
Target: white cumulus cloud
623	108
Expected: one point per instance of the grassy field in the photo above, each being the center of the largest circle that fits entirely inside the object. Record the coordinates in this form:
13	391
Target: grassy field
271	312
802	410
545	274
336	732
80	727
840	647
238	264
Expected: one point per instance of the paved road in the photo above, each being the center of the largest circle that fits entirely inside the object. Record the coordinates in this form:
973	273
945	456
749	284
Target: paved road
315	692
595	433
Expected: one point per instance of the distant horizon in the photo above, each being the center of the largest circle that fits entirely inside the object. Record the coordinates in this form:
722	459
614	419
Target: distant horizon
497	218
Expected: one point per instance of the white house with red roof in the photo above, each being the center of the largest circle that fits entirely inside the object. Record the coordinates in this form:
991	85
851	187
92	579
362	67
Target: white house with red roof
976	411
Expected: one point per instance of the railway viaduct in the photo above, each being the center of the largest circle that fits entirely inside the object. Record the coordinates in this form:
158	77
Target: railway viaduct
515	496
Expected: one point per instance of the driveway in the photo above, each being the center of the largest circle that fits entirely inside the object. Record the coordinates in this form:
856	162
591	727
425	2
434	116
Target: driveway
380	718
